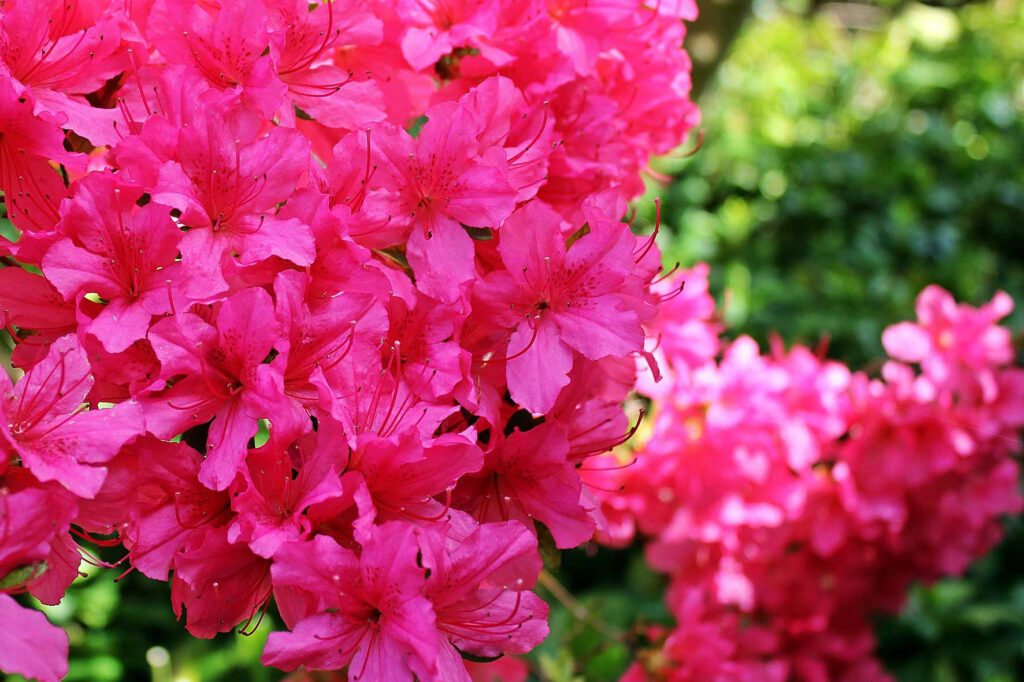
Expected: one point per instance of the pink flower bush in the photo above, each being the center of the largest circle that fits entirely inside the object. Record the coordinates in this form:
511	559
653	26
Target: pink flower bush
789	498
321	304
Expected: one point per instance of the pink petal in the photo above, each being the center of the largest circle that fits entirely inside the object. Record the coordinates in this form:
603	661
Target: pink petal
29	644
537	376
230	432
907	341
444	261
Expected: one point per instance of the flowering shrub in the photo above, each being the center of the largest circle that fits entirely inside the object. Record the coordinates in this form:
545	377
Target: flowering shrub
323	304
789	498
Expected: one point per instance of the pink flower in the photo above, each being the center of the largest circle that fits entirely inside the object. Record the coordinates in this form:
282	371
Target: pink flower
32	188
557	300
326	260
403	477
373	616
219	584
227	43
168	507
478	583
423	333
270	506
30	302
526	476
439	182
436	27
128	259
31	515
320	334
806	498
948	334
226	379
67	60
45	426
302	44
227	180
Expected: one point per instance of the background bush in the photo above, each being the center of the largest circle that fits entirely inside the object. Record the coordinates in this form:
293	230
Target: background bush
845	168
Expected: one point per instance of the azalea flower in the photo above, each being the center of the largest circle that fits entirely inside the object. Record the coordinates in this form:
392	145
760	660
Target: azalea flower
284	276
812	496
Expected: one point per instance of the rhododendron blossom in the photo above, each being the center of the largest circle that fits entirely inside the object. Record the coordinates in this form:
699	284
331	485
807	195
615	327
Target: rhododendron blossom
789	498
321	305
327	305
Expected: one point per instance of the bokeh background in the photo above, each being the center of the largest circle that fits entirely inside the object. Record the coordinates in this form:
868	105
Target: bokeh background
852	153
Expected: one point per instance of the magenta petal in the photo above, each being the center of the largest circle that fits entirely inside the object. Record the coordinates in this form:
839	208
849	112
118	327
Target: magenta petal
220	584
62	565
229	440
175	341
486	621
121	323
318	642
906	341
32	301
28	533
531	244
442	262
167	505
92	437
175	189
546	483
422	47
247	327
289	239
485	198
29	644
92	123
188	403
161	536
312	565
389	659
58	384
597	328
48	461
72	269
201	255
538	374
450	665
478	587
348	107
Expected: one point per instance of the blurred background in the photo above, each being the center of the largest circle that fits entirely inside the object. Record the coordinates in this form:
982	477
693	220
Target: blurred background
852	154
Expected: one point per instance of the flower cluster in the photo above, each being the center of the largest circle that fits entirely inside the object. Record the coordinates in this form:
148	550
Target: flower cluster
321	303
788	499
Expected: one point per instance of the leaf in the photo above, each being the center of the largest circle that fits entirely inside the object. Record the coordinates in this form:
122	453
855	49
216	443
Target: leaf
549	551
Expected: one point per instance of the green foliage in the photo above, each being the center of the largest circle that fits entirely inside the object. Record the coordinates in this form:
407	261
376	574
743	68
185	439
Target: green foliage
844	169
595	633
964	630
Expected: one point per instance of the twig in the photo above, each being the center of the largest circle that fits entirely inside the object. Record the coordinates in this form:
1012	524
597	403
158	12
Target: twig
578	610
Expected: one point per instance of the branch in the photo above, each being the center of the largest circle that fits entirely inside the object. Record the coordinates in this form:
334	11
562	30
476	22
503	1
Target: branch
578	610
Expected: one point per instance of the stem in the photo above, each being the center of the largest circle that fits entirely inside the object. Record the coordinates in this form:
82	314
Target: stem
578	610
